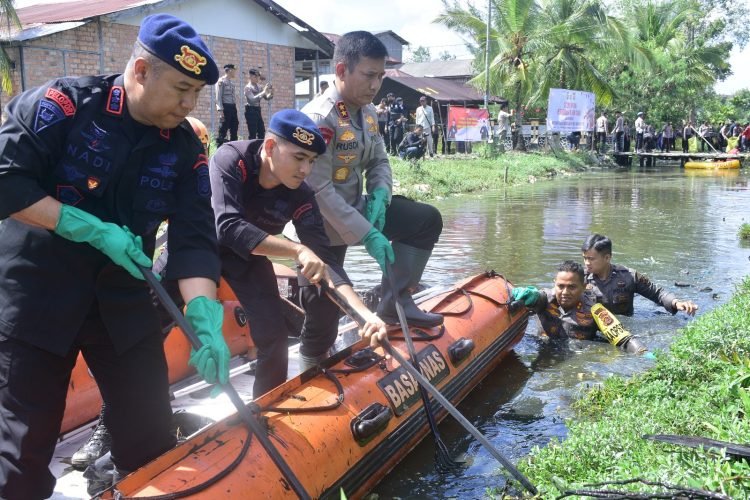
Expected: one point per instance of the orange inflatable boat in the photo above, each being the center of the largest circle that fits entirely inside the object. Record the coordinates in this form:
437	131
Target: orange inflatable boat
345	425
84	402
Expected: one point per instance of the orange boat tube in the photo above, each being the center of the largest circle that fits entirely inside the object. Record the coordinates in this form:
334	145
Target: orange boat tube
344	426
84	402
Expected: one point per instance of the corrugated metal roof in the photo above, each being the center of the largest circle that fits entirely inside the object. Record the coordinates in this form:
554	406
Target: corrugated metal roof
440	69
78	10
444	91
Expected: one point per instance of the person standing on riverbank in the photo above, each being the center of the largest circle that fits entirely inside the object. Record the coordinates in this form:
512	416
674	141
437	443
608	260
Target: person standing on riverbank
393	229
615	286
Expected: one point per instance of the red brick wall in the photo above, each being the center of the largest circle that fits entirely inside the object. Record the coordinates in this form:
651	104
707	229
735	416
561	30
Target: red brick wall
77	52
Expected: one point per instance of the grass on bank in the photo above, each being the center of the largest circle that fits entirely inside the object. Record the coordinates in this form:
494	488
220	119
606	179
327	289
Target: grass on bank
701	387
453	174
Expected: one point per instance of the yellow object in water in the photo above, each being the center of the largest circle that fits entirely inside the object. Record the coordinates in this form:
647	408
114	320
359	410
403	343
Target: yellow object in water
712	165
610	326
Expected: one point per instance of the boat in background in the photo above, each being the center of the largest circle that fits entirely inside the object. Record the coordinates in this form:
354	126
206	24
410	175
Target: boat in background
712	165
345	425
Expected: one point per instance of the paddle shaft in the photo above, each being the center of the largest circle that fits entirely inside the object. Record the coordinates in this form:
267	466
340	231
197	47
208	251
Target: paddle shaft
340	301
412	353
245	415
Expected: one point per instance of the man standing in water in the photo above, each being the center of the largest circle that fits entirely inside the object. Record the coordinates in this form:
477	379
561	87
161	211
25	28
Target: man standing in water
615	286
355	156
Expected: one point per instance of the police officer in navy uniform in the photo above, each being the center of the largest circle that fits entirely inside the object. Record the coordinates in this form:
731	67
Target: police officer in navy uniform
257	187
89	168
356	159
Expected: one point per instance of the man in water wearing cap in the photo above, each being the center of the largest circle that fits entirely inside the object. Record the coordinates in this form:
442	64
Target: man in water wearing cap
257	187
89	168
356	159
227	106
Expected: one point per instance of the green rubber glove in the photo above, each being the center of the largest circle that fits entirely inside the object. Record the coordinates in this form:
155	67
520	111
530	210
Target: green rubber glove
212	359
377	204
528	294
379	247
118	243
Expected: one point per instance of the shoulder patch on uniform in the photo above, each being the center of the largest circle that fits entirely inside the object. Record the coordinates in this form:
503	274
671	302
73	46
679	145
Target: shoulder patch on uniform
202	178
243	170
301	211
327	134
342	111
47	115
115	100
68	195
62	100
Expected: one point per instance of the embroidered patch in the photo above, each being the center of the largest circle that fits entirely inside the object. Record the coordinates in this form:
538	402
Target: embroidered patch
92	183
115	100
61	100
301	210
347	146
202	178
68	195
166	170
347	136
347	159
303	136
47	115
157	205
165	134
96	138
190	59
327	134
341	174
71	173
342	111
373	126
243	170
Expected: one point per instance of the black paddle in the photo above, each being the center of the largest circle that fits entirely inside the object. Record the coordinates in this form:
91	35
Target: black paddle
442	456
340	301
244	413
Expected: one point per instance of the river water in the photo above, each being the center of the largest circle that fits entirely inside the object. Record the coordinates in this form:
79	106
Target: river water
675	227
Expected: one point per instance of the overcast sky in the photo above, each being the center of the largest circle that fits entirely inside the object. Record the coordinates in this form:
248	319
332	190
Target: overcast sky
412	21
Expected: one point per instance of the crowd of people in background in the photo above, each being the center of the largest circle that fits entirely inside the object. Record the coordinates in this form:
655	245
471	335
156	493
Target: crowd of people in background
729	136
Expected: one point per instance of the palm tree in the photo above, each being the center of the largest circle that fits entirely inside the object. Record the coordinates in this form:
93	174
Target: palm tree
511	49
10	22
537	46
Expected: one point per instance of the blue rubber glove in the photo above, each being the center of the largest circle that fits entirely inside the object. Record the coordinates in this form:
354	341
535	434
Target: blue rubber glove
379	247
212	359
117	243
377	204
528	294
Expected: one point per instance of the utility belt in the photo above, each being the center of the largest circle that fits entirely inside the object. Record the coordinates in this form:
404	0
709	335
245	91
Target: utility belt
249	107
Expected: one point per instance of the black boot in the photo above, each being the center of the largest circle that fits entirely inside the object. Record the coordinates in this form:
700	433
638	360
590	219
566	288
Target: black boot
98	444
407	269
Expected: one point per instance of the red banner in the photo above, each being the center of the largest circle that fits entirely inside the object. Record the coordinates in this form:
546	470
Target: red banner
467	124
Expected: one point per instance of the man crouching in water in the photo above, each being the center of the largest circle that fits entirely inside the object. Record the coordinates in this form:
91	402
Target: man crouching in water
565	310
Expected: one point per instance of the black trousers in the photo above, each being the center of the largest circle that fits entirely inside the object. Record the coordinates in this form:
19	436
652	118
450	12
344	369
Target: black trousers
396	135
254	283
256	129
33	388
639	141
685	144
619	144
228	123
406	221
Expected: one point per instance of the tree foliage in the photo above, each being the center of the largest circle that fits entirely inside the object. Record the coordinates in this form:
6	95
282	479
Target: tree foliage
9	21
420	54
650	55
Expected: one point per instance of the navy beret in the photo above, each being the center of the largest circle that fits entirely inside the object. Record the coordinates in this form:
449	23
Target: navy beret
176	43
297	128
